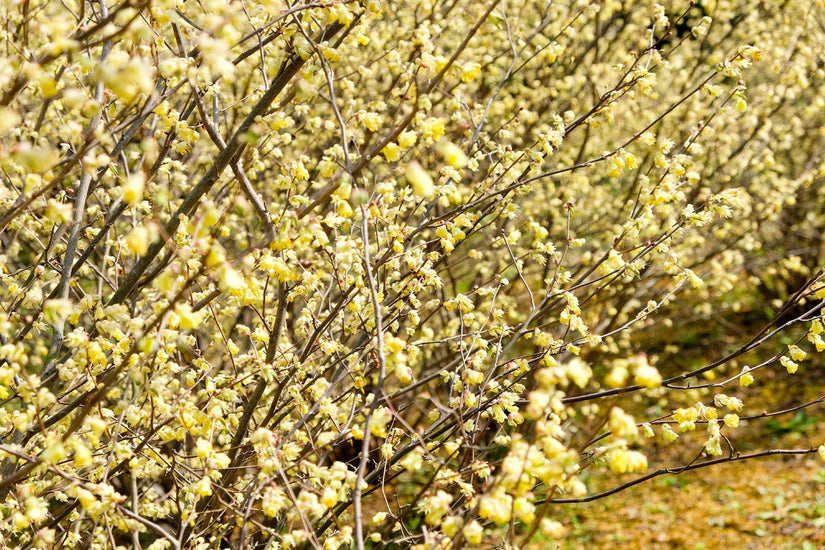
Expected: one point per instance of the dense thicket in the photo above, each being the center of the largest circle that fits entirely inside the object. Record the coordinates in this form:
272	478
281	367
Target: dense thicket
392	274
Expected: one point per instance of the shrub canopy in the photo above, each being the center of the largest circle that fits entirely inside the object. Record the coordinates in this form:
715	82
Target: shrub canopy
363	274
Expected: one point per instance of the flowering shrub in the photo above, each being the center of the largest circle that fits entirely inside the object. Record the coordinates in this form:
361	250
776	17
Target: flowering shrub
363	274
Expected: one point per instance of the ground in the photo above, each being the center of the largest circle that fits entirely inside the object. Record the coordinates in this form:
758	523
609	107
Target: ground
765	503
772	502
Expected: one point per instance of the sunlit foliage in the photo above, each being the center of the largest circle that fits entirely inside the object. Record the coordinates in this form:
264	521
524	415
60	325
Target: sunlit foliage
392	274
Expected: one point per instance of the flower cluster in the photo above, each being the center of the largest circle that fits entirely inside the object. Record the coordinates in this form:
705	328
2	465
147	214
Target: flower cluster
269	270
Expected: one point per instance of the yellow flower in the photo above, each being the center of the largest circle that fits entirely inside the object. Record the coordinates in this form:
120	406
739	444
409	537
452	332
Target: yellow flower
231	279
669	435
817	341
473	532
524	510
700	30
379	517
622	424
87	499
421	182
648	376
436	506
96	355
392	152
552	528
496	507
713	446
403	373
617	377
470	71
797	354
731	403
203	487
393	344
451	525
54	452
453	155
413	461
188	319
788	364
139	239
276	267
407	139
474	376
578	371
9	118
57	309
623	461
371	120
746	378
432	128
58	212
379	421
